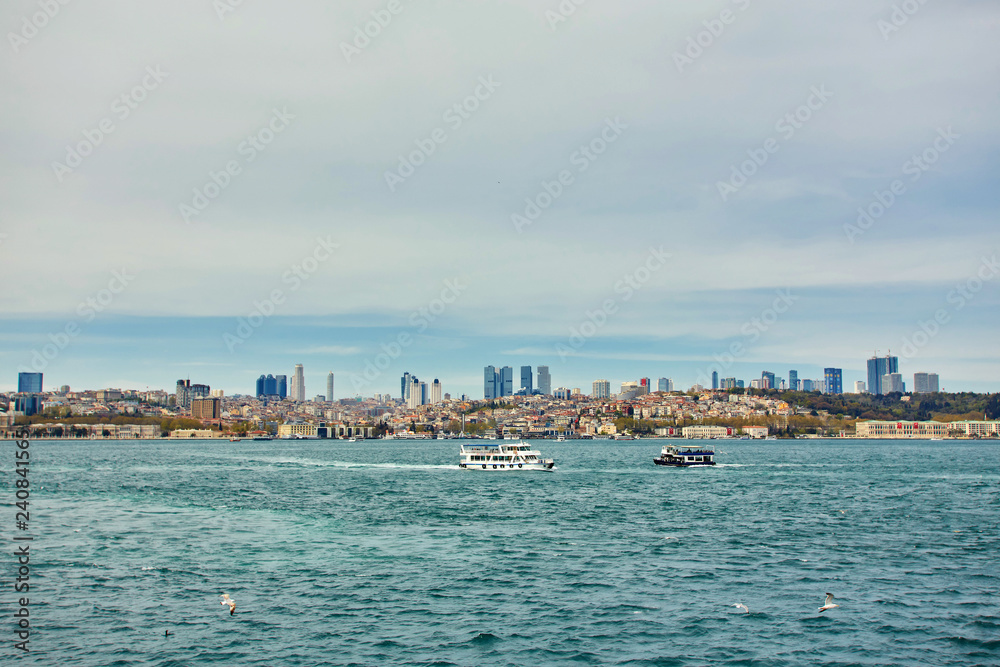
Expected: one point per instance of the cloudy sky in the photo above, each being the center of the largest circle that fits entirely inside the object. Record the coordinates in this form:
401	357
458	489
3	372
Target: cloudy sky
217	190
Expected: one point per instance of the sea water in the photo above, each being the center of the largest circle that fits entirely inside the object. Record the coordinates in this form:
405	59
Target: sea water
387	553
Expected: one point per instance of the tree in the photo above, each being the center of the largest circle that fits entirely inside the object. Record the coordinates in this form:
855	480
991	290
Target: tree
993	407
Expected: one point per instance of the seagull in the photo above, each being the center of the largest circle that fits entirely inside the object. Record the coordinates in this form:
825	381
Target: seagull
167	633
742	606
829	603
228	600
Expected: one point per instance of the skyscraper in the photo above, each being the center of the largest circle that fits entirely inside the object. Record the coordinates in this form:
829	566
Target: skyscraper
182	394
435	391
29	383
924	383
329	387
259	390
404	386
767	378
661	384
793	380
601	389
715	379
645	386
526	382
544	380
280	386
859	387
491	381
893	383
878	367
506	381
298	384
834	380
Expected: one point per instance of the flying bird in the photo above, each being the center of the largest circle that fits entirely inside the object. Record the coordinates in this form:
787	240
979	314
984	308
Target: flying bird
829	603
228	600
742	606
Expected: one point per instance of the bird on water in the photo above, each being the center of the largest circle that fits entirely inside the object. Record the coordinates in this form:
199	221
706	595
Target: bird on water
742	606
226	600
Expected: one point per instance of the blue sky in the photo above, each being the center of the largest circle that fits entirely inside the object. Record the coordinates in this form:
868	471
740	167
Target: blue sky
599	121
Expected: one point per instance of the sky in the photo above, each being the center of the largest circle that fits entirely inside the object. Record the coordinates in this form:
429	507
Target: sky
219	189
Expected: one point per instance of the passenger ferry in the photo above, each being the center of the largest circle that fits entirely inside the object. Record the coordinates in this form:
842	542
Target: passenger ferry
502	456
672	455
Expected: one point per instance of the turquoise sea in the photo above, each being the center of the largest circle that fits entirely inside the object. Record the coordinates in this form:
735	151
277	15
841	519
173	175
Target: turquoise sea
386	553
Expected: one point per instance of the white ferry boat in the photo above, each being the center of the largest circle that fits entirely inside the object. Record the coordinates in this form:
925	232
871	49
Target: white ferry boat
672	455
502	456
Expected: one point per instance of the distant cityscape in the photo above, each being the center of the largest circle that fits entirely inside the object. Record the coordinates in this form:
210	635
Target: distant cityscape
524	403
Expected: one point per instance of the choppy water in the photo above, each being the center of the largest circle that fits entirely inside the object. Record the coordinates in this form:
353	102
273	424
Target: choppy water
386	553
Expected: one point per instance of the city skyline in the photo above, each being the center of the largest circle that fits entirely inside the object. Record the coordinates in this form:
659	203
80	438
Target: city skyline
832	382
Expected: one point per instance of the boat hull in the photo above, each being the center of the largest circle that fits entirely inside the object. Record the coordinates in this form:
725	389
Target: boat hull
682	464
501	467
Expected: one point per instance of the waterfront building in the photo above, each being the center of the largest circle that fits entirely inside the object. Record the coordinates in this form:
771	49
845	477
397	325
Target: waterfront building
527	385
901	429
879	367
29	383
601	389
506	381
491	380
298	392
834	378
708	431
793	380
544	380
893	383
925	383
976	429
329	387
715	379
859	387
